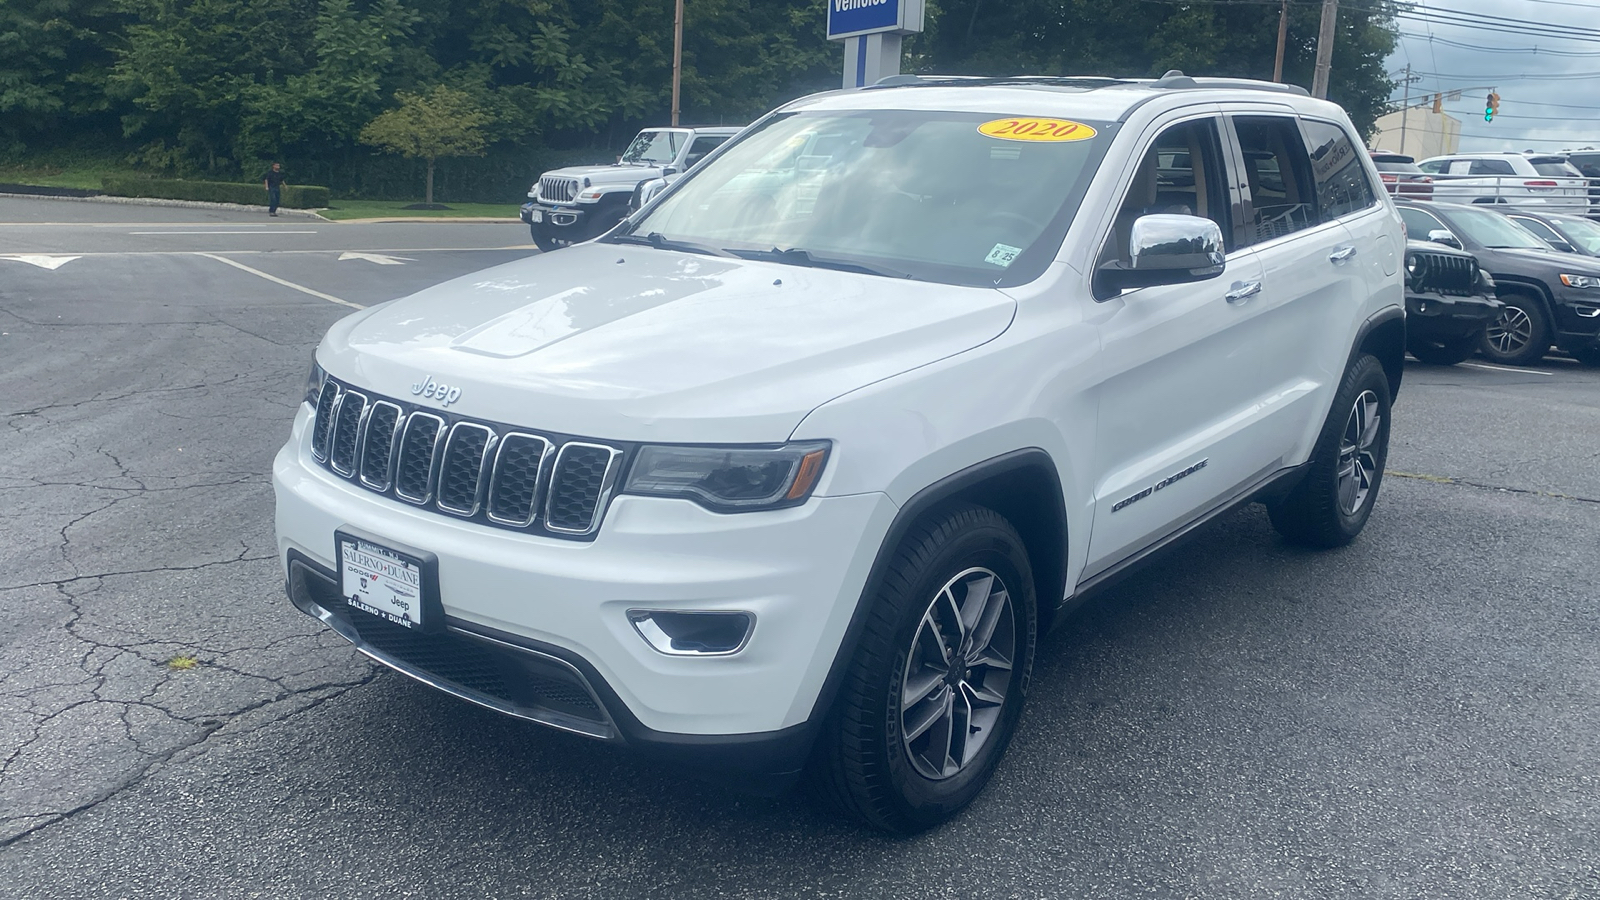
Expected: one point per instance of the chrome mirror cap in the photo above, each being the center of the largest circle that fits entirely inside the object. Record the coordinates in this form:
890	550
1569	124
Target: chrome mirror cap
1166	243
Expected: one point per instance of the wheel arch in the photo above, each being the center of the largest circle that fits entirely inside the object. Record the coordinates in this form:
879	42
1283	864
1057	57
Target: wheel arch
1521	284
1384	336
1024	487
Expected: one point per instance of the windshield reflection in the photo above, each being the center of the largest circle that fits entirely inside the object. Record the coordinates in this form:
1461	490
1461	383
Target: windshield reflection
903	193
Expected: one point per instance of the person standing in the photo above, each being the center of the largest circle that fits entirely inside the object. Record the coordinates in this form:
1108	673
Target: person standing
273	181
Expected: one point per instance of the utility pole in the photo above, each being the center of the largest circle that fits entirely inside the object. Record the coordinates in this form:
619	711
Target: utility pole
1405	110
1330	17
677	59
1283	39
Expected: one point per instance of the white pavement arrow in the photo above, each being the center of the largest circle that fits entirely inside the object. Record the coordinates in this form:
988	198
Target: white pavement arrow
43	262
378	258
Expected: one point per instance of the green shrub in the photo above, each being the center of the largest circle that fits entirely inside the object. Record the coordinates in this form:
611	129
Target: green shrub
295	196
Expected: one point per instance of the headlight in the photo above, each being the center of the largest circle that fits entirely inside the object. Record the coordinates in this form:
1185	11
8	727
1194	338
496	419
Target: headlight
1411	263
729	479
1581	281
314	381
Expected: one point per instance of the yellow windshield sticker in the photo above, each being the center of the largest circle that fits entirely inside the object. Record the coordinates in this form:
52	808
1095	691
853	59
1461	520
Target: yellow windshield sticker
1035	129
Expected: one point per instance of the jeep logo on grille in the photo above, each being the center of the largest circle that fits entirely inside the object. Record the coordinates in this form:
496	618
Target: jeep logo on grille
433	390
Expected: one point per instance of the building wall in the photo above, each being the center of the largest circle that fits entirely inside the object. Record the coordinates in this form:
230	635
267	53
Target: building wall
1427	133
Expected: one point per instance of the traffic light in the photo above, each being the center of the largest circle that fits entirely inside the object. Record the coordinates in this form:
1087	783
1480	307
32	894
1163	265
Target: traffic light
1491	106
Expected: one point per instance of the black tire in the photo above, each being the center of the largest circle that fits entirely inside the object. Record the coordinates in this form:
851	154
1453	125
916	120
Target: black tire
1444	353
1521	334
544	240
861	765
1317	513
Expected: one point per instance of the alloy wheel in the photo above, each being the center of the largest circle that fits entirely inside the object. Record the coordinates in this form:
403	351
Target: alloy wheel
957	673
1511	332
1358	462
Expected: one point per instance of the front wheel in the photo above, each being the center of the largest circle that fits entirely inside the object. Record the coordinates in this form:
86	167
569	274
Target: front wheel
1520	336
1444	353
544	240
933	692
1332	502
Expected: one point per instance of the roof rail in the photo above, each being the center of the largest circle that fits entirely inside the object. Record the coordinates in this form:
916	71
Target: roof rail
1172	80
1078	81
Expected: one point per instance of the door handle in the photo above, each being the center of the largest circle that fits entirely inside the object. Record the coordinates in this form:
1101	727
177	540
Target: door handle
1242	291
1342	254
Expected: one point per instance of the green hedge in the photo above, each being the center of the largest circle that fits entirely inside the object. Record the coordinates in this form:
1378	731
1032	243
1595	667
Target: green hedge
295	196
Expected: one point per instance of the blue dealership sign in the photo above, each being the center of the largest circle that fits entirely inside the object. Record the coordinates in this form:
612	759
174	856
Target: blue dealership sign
850	18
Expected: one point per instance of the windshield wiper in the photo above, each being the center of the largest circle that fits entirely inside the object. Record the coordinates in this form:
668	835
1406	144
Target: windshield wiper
661	242
797	256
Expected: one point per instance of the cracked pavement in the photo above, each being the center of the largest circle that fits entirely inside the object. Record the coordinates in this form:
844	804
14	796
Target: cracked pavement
139	585
1414	716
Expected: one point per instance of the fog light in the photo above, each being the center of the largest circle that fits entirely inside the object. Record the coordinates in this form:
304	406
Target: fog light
693	633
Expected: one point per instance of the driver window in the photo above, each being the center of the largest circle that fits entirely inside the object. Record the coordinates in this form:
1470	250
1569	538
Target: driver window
1180	174
1278	173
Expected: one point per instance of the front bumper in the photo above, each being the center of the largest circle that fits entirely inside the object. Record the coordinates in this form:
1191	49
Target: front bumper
548	215
1578	319
1442	317
551	605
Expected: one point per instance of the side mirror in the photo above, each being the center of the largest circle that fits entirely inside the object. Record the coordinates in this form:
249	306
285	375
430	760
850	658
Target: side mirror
1167	249
668	170
1440	236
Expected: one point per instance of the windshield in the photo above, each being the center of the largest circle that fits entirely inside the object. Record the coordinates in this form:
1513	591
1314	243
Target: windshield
1494	230
1582	232
1555	167
920	194
653	148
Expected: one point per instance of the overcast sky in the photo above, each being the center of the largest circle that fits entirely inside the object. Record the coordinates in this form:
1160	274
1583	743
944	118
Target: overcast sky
1540	79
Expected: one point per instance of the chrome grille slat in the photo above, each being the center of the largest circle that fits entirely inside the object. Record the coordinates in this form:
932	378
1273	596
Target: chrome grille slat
347	421
419	445
377	444
492	473
322	428
556	189
466	451
580	485
514	483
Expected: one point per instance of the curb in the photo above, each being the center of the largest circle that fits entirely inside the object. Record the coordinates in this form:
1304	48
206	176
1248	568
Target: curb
495	220
151	201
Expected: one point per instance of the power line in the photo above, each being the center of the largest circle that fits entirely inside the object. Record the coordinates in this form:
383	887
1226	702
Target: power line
1540	51
1560	76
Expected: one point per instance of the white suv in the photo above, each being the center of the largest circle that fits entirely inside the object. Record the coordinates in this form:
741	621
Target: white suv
1542	182
789	471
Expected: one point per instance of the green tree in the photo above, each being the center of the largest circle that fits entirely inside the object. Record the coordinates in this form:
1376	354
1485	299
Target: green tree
54	58
442	123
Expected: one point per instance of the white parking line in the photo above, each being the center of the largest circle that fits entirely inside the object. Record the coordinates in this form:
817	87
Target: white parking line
276	280
1504	369
222	232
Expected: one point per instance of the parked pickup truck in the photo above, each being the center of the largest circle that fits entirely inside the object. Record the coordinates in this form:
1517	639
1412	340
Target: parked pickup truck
577	203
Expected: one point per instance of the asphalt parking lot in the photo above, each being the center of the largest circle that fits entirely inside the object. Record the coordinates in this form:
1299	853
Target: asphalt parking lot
1415	716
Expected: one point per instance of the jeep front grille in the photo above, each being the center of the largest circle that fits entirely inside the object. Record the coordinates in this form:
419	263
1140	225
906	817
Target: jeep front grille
557	190
1444	273
495	474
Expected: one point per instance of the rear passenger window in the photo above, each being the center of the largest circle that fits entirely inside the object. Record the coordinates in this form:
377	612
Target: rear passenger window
1490	167
1278	172
1342	185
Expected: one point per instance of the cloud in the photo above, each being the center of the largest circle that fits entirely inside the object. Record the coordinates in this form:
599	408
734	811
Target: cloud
1549	86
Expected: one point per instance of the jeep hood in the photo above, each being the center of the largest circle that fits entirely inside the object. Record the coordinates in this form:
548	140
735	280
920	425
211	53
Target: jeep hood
633	343
607	174
1547	260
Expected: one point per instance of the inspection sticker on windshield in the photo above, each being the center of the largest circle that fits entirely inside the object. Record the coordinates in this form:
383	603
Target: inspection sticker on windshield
1002	255
1035	129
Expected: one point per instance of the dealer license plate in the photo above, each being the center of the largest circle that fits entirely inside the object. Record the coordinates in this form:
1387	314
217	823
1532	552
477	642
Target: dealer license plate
381	582
535	216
